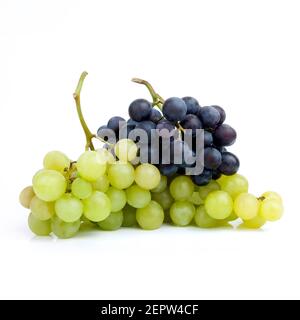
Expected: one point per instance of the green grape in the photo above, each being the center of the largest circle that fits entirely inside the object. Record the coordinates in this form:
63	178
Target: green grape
39	227
106	156
68	208
205	190
272	195
182	213
138	197
97	207
126	150
147	176
56	160
162	185
196	199
234	185
218	204
117	198
232	217
163	198
81	189
91	165
26	196
102	184
112	222
129	216
181	188
42	210
64	229
271	209
246	206
49	185
203	220
121	175
254	223
151	217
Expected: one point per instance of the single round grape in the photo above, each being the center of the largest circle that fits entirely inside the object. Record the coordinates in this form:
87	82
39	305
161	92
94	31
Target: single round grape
140	109
230	164
101	184
192	105
208	139
222	114
224	136
68	208
115	123
205	190
218	204
167	169
42	210
254	223
39	227
203	220
164	198
191	121
147	176
216	174
146	126
272	195
150	217
81	189
271	209
182	213
91	165
121	175
64	230
212	158
174	109
117	198
181	188
138	197
112	222
162	185
49	185
129	216
165	129
246	206
195	199
106	156
202	179
26	196
56	160
209	117
234	185
97	207
155	115
126	150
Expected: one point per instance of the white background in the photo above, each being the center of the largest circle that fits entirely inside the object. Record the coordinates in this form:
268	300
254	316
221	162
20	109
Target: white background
242	55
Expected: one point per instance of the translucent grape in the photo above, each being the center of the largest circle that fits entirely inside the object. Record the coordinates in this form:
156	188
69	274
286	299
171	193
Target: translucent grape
97	207
42	210
272	195
246	206
138	197
126	150
49	185
196	199
117	198
106	156
203	220
234	185
182	213
151	217
91	165
81	189
162	185
68	208
112	222
163	198
121	175
129	216
101	184
147	176
271	209
181	188
64	230
218	204
26	196
205	190
254	223
39	227
56	160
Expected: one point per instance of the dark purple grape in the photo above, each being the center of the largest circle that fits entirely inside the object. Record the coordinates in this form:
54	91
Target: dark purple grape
216	174
147	126
209	116
140	109
192	105
155	115
222	114
131	123
114	123
212	158
174	109
167	169
164	128
230	164
208	139
191	121
224	136
203	178
106	134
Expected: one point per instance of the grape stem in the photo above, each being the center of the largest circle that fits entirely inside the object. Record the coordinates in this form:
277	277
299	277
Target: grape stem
88	135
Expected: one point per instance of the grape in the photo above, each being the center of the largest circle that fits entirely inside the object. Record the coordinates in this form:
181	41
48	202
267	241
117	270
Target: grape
271	209
121	175
272	195
203	220
232	217
212	158
39	227
163	198
205	190
63	229
181	188
155	116
126	150
216	174
150	217
234	184
91	165
147	176
81	189
195	198
191	121
255	223
101	184
129	216
182	213
192	105
97	207
56	160
222	114
209	117
230	164
203	178
208	139
218	204
49	185
26	196
167	169
174	109
246	206
68	208
224	136
138	197
117	198
115	123
42	210
140	109
165	129
106	134
112	222
147	126
162	185
106	155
